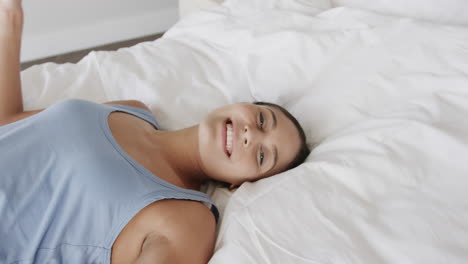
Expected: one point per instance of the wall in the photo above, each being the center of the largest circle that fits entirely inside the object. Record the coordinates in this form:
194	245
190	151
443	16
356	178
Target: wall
58	26
187	7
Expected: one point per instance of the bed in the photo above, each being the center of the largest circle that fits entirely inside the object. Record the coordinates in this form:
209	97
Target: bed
381	90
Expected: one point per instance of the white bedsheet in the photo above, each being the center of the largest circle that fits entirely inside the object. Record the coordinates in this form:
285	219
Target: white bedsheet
385	99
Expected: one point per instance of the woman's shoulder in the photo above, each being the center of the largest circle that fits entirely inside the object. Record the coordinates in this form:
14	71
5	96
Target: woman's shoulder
132	103
188	226
181	222
182	214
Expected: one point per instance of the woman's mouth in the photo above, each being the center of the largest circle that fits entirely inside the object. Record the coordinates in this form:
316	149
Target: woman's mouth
228	144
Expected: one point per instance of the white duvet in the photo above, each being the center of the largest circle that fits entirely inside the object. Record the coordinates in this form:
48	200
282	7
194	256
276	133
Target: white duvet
383	99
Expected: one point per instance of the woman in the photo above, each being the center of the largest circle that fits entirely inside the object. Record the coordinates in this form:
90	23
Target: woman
88	183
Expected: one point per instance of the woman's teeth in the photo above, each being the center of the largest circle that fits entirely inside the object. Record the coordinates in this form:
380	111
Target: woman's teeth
229	138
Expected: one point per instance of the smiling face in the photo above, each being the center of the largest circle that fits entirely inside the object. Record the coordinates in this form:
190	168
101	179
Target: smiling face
246	142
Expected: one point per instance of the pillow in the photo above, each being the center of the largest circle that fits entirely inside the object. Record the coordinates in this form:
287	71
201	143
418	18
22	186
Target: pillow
447	11
300	6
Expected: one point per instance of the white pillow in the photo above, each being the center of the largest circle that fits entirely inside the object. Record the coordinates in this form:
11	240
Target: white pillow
301	6
446	11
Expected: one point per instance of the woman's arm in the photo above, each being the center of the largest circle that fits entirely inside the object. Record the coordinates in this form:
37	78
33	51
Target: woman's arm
11	26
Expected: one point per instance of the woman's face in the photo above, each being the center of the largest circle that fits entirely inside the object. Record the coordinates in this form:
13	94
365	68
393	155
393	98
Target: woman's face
246	142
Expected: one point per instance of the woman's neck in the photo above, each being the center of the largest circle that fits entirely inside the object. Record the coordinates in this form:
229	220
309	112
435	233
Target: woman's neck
180	150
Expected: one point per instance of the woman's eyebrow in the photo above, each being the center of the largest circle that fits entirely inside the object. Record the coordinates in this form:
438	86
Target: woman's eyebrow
274	118
275	158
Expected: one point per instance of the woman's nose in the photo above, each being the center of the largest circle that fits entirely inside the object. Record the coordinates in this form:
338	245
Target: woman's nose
248	135
245	136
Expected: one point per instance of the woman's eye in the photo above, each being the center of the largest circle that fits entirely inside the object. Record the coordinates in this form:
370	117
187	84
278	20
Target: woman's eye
262	120
262	156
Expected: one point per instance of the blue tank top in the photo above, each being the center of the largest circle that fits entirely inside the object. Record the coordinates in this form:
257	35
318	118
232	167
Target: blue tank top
67	189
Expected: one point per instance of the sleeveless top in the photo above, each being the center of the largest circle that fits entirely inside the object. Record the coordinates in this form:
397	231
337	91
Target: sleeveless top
67	188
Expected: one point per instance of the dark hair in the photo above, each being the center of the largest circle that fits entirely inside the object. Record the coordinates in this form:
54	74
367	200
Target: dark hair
304	149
